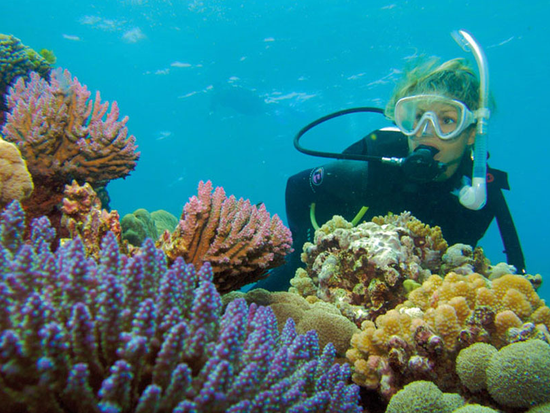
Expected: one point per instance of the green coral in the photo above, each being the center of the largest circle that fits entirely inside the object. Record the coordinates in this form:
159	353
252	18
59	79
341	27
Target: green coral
471	364
423	396
17	60
475	408
138	226
519	374
541	408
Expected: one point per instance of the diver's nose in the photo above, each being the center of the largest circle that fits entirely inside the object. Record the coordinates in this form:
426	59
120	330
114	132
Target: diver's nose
428	129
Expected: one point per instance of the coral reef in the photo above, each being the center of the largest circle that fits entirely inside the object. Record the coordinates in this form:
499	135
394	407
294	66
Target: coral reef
471	364
15	180
420	339
141	224
362	269
18	61
241	241
324	318
519	374
423	396
83	217
129	334
64	135
138	226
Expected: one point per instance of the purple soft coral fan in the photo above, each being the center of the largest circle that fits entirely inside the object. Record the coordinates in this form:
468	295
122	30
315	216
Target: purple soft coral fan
130	335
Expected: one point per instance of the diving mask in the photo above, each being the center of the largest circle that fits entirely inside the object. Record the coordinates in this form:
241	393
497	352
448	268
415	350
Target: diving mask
448	117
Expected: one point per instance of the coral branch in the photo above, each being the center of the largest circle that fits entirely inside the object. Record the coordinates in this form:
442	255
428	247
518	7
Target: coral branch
241	241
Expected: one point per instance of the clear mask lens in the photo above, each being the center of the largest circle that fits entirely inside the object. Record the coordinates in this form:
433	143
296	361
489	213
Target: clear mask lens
429	114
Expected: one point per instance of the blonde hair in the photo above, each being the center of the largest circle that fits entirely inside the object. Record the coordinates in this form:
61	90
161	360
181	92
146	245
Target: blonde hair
454	79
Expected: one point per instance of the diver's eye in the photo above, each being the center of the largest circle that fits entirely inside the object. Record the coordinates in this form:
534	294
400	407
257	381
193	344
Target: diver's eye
418	116
448	120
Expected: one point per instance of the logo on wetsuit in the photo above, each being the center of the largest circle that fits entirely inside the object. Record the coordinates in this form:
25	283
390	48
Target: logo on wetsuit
316	176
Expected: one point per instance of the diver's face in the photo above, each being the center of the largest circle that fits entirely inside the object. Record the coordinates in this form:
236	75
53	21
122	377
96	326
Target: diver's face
450	152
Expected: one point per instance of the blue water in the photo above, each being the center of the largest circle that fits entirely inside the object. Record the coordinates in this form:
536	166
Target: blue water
217	89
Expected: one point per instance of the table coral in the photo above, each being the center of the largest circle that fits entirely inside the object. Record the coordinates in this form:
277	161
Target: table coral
129	334
240	240
15	180
362	269
421	338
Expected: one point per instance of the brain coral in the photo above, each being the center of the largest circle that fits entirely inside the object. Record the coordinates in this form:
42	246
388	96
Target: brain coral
519	374
423	396
471	364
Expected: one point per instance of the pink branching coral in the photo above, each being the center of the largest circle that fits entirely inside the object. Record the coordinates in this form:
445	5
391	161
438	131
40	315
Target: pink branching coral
240	240
63	134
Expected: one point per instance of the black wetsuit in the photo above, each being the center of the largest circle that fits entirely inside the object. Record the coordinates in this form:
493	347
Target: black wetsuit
343	187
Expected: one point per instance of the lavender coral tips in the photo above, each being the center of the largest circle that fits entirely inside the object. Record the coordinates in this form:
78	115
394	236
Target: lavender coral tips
129	334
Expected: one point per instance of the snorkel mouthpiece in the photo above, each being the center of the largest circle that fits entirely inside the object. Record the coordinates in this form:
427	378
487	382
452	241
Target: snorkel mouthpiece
420	166
475	196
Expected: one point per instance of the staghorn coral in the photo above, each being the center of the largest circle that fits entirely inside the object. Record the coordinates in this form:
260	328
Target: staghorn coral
362	269
15	180
18	60
84	218
128	334
421	338
241	241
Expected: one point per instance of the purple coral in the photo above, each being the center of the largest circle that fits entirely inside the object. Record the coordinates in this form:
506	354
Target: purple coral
129	334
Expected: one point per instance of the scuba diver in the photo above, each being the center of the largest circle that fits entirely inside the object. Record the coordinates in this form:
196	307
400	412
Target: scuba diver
433	163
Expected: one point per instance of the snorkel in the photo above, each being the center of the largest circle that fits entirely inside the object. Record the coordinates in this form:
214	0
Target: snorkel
475	196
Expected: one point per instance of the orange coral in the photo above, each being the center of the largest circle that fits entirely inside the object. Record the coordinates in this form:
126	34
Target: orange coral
241	241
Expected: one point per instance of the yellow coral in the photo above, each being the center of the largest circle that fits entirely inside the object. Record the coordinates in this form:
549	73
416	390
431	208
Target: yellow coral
461	308
502	284
15	180
447	325
517	302
503	321
542	316
486	298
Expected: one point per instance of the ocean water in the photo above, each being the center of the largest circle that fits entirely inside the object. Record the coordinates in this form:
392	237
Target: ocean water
216	90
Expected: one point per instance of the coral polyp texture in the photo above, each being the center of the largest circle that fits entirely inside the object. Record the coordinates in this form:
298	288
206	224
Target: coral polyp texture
65	135
366	270
420	339
129	334
17	61
240	240
83	217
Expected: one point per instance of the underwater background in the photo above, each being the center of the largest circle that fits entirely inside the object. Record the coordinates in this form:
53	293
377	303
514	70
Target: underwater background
216	90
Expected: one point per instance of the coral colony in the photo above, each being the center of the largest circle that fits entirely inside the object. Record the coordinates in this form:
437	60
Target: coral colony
130	334
92	324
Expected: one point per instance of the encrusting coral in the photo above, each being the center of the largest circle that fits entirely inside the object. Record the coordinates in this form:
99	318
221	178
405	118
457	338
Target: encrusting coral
362	269
129	334
15	180
64	135
241	241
